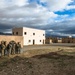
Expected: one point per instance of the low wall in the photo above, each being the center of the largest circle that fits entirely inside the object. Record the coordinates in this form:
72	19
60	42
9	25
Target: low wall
9	38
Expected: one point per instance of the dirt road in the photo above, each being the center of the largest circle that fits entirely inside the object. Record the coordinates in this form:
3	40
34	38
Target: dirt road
49	46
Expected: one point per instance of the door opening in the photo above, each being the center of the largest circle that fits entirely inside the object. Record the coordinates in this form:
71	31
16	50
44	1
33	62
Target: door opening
33	42
43	42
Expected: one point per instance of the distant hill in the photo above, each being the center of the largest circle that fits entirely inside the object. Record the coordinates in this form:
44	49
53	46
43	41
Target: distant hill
48	35
1	33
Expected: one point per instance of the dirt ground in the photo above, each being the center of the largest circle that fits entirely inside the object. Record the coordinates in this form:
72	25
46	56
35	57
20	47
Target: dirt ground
55	60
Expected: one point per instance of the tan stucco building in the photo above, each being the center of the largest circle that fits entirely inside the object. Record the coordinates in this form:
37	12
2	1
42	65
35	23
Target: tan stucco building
31	36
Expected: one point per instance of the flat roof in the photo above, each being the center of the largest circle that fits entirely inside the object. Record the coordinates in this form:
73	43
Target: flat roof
29	28
34	28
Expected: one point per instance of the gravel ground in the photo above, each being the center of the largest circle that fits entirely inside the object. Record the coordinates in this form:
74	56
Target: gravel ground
40	60
45	64
49	46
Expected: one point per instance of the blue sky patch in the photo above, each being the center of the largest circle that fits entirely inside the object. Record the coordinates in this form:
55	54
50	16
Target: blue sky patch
66	12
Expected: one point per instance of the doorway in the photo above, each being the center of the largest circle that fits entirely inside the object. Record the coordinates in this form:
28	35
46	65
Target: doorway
33	42
43	42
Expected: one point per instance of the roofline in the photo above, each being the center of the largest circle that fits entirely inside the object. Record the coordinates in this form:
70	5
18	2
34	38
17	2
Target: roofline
28	27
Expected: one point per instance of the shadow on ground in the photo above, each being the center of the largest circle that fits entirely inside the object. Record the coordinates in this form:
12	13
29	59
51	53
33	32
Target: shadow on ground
53	55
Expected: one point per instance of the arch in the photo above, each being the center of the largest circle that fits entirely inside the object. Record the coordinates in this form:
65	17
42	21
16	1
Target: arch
13	42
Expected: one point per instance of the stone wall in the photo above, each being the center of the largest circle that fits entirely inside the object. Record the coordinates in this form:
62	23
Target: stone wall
9	38
68	40
51	40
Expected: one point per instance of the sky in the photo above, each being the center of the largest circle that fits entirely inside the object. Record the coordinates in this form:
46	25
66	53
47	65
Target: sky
56	17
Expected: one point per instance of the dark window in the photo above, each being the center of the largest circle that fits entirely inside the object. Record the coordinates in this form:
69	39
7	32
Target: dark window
25	33
13	33
33	33
43	34
43	41
16	33
29	40
40	40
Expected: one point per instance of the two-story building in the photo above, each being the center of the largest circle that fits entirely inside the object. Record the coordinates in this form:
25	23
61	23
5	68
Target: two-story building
31	36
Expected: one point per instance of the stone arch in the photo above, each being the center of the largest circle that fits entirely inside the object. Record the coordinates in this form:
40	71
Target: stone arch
12	42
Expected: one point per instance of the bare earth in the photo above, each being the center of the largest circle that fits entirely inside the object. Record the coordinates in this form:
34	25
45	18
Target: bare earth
40	60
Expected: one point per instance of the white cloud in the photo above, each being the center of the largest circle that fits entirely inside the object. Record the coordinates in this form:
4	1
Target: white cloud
57	5
70	7
2	4
30	12
21	2
8	3
43	1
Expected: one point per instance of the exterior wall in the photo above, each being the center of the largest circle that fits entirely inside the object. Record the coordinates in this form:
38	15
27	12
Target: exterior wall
48	40
68	40
29	38
62	40
19	30
59	40
73	40
8	38
53	40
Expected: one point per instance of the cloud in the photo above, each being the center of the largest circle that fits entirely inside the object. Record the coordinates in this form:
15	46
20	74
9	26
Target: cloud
63	28
39	15
10	3
70	7
35	14
21	2
57	5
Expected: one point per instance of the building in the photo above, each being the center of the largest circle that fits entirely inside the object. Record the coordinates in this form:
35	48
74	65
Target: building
31	36
48	40
68	40
9	38
59	40
53	40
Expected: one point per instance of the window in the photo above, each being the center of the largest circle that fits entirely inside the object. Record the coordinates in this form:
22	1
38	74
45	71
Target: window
13	33
43	42
40	40
25	33
43	34
29	40
33	33
16	33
